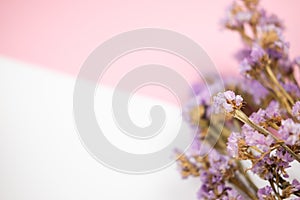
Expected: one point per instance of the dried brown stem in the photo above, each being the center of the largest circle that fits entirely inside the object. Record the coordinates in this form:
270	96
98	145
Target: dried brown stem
244	118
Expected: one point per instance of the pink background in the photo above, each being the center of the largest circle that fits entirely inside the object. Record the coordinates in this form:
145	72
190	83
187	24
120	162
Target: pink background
40	152
59	35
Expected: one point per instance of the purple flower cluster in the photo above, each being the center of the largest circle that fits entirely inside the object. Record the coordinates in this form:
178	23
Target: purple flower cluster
292	88
262	126
290	131
265	193
232	147
253	61
236	17
215	178
226	102
296	110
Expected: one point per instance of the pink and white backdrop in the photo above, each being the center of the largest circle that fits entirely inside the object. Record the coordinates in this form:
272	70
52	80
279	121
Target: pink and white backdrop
43	45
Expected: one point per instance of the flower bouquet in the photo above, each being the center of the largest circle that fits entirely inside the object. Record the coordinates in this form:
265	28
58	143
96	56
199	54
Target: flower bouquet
260	137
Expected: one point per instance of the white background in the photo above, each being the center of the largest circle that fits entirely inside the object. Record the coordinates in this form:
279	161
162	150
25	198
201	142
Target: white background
41	156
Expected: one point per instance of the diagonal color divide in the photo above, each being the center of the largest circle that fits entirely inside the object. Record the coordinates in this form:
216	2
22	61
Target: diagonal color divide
96	65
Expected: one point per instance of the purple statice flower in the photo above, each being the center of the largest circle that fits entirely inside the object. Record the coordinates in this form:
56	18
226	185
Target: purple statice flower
255	89
245	66
260	169
265	29
236	17
278	50
272	25
296	110
273	110
214	179
232	144
220	104
243	53
233	194
205	191
264	193
269	19
296	185
219	162
254	138
259	116
238	99
270	163
201	97
229	95
292	89
253	59
223	192
284	155
269	153
243	17
271	39
289	131
226	102
270	29
257	53
286	65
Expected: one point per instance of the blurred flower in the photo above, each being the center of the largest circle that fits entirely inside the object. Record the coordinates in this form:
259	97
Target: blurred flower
289	131
232	144
236	16
292	89
255	89
296	110
256	54
265	193
227	102
296	184
268	20
262	128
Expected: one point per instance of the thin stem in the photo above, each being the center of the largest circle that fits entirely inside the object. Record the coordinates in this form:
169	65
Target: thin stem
277	94
245	37
241	169
256	149
244	118
217	142
273	125
239	184
276	82
273	188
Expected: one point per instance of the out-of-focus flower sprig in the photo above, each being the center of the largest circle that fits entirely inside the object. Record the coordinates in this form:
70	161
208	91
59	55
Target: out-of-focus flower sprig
262	126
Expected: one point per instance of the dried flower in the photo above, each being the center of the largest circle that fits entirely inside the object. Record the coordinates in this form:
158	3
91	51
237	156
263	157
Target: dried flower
289	131
262	128
227	102
236	16
296	110
232	144
265	193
